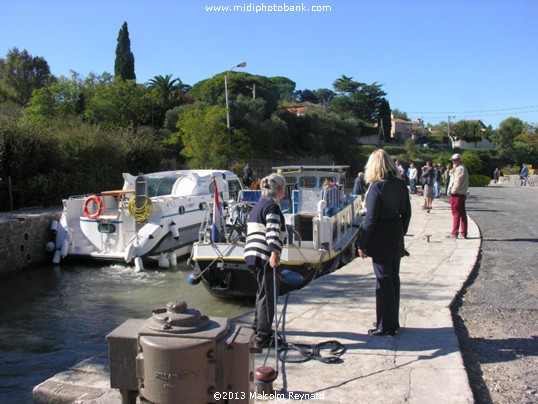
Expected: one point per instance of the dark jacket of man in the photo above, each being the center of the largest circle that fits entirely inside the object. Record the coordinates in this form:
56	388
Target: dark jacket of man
388	213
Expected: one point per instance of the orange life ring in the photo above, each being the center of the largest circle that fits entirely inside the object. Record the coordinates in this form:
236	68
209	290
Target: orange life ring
99	203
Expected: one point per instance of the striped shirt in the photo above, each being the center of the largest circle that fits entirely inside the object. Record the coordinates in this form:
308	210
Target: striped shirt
265	223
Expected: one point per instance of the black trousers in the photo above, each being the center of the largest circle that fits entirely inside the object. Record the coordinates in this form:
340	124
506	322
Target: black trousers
265	300
387	293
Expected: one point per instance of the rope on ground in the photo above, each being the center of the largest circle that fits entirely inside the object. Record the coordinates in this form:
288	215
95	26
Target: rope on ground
307	352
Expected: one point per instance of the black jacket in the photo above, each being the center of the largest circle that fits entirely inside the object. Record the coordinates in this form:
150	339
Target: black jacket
388	213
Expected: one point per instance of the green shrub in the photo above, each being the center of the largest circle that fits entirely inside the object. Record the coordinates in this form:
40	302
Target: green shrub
479	180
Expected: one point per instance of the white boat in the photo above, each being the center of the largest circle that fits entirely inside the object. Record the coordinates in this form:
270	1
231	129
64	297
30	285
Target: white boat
322	227
154	216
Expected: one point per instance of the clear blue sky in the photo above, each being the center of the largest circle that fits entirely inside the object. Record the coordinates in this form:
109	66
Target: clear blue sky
472	59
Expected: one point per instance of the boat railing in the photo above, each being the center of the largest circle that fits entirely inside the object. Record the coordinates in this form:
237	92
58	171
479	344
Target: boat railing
334	196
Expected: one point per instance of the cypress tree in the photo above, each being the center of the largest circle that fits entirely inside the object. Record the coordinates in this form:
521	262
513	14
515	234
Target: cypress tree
124	63
385	118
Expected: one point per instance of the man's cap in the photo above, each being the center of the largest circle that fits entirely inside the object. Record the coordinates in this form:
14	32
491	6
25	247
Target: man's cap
456	156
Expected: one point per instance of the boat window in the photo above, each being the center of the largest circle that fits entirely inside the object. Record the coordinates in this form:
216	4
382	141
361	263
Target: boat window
235	187
158	186
106	228
291	180
202	206
181	210
308	182
329	180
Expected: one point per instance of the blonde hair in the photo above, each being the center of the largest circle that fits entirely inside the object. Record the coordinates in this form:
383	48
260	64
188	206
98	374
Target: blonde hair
379	166
271	184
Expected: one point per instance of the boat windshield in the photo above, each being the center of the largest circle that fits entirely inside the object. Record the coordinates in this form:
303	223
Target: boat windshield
159	186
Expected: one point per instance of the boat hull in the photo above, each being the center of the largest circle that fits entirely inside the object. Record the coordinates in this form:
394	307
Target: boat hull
224	274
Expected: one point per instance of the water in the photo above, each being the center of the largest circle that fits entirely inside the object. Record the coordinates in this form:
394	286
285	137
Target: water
52	318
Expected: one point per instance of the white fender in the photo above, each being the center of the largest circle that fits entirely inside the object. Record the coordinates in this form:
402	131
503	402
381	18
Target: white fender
65	247
139	265
163	261
57	257
54	226
174	230
172	257
148	236
50	246
130	252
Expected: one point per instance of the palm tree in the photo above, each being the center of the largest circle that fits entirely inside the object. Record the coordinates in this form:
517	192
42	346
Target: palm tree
166	87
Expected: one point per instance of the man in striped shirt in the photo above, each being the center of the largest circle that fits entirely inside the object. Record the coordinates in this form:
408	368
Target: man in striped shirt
265	232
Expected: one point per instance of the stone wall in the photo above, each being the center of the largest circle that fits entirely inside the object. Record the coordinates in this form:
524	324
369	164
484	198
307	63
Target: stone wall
23	236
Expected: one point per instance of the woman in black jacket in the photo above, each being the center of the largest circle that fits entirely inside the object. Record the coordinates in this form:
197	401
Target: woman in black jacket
388	213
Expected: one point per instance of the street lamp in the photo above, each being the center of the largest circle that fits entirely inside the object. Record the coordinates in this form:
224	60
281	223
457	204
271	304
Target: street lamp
449	137
242	64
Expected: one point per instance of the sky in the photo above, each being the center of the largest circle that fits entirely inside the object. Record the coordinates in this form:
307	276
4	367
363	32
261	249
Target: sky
467	59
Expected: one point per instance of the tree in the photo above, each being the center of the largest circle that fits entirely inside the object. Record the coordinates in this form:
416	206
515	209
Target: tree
411	148
472	162
20	74
359	100
118	103
165	86
203	132
166	95
274	90
124	68
322	96
385	118
306	96
325	96
504	137
469	131
526	145
58	100
399	114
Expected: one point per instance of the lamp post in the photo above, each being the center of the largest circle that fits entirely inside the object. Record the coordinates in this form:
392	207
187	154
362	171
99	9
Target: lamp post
449	136
242	64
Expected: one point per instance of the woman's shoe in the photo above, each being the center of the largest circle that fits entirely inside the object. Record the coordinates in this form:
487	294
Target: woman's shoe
379	333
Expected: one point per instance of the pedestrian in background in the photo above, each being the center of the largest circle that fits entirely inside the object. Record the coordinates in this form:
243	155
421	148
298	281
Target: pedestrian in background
496	175
266	230
412	176
437	181
247	175
359	186
388	213
457	190
447	177
427	178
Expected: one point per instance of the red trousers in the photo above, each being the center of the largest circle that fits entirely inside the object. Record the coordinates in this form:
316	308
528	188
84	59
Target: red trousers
457	203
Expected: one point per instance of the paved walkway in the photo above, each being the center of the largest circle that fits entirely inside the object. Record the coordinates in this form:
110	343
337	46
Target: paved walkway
421	364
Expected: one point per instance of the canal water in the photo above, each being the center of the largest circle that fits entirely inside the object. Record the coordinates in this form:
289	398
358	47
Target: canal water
52	318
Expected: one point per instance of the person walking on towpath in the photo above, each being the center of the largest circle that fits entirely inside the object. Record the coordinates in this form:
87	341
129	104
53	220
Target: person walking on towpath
437	181
427	179
388	213
265	231
247	175
412	175
447	177
457	189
